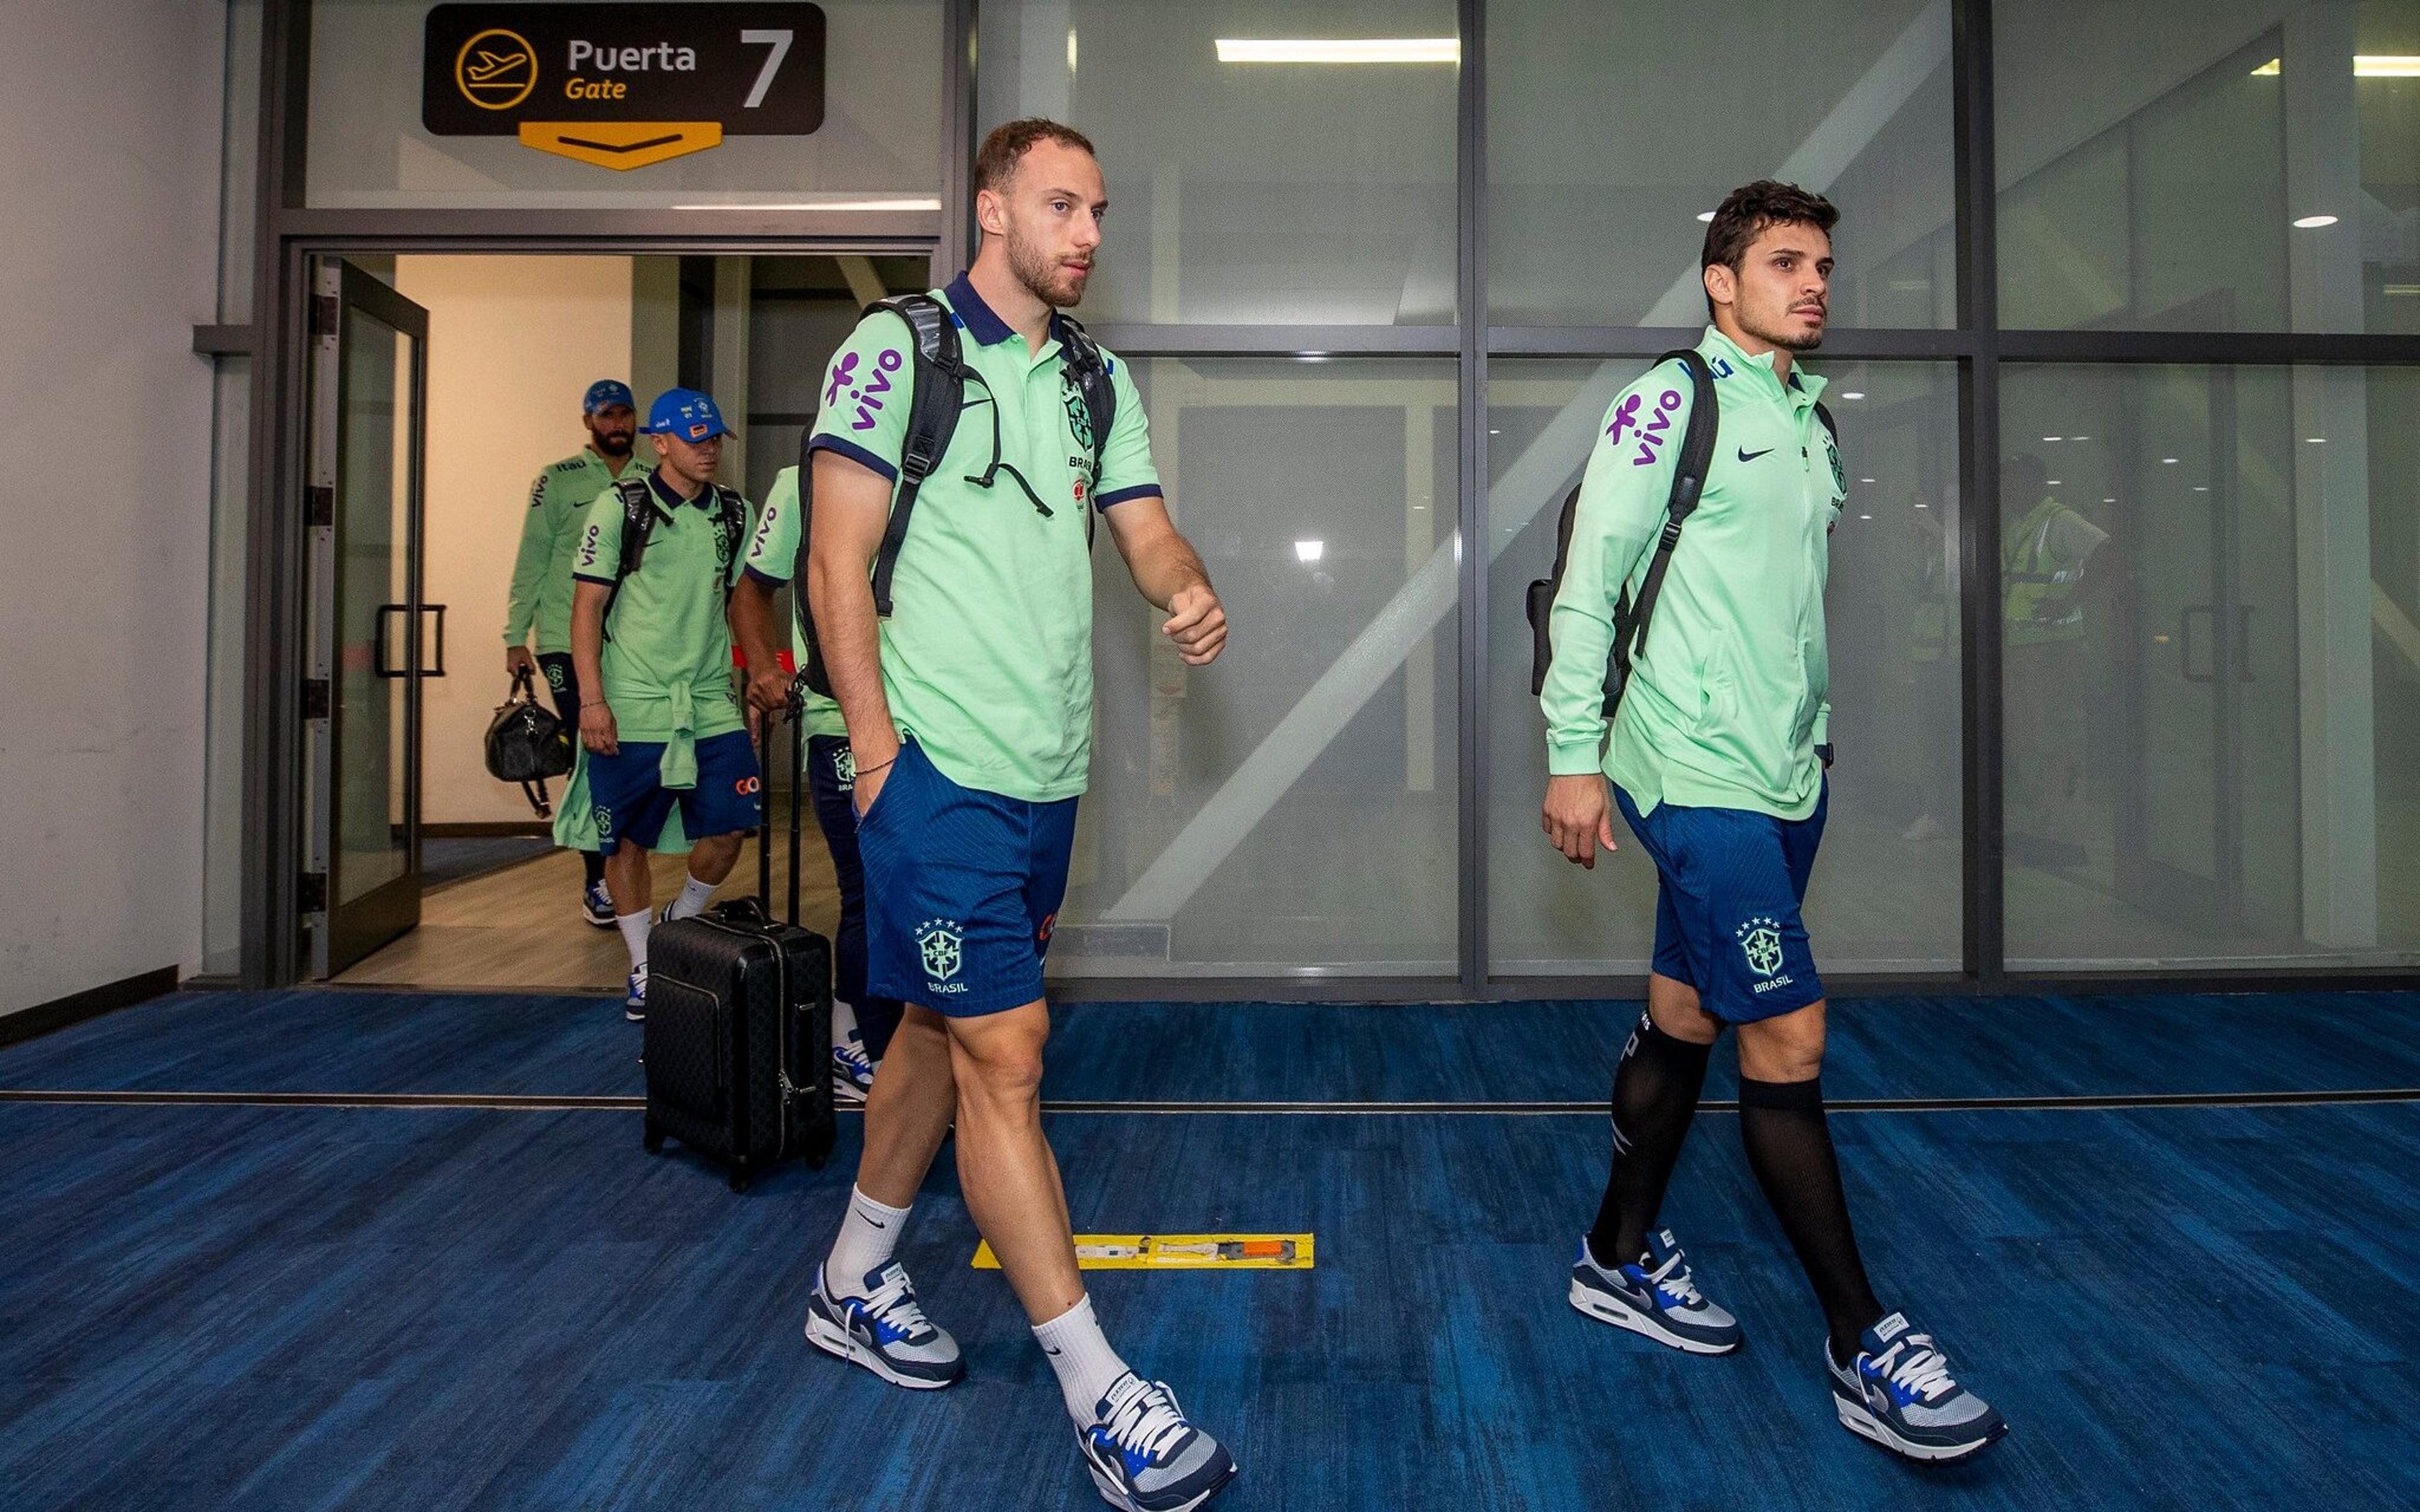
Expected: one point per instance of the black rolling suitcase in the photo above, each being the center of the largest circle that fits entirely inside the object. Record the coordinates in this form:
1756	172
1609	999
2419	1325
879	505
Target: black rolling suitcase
737	1042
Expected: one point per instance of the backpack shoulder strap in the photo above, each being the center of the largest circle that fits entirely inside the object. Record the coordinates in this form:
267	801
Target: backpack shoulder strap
1085	363
931	417
638	524
1688	486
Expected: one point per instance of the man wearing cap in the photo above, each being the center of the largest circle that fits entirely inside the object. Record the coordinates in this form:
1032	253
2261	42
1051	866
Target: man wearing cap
661	728
542	591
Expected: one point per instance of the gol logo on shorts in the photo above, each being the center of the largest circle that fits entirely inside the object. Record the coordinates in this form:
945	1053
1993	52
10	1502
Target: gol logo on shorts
748	786
496	70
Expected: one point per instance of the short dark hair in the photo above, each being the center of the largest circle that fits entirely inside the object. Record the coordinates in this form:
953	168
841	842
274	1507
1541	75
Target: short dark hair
1749	210
996	162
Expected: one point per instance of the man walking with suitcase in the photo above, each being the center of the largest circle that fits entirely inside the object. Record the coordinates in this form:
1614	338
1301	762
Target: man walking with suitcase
542	591
968	710
1717	759
659	725
862	1024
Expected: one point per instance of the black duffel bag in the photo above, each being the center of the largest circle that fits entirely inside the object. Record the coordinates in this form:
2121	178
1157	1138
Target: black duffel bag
527	744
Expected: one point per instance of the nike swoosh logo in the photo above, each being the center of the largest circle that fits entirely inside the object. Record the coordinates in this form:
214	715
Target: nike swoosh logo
1049	1350
878	1226
1746	455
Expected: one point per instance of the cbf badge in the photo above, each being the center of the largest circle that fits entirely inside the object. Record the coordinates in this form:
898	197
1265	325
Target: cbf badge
941	943
1760	941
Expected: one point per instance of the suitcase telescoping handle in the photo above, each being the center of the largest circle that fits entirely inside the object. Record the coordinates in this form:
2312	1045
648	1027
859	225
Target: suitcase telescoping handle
788	715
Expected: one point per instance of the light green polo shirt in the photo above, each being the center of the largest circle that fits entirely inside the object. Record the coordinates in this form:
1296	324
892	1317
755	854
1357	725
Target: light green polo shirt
987	654
772	557
542	591
1726	705
667	655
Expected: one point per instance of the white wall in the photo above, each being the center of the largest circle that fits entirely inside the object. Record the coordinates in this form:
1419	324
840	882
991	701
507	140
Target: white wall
111	113
513	344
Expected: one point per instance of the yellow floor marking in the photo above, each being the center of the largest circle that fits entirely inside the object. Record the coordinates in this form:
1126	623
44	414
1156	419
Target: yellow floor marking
1182	1252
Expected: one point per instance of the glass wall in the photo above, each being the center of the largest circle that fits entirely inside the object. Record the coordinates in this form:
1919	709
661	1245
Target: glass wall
1609	142
2209	164
1248	186
1295	804
2206	590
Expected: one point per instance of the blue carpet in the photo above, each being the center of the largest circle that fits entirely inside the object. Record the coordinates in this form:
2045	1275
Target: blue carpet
433	1310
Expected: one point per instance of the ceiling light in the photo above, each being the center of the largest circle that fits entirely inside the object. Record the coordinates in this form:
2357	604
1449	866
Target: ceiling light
1923	506
1343	50
2403	290
2109	501
2052	482
2167	461
1865	480
2201	488
2313	222
1705	215
1309	550
2269	70
2315	441
1854	393
1864	516
2079	438
2053	438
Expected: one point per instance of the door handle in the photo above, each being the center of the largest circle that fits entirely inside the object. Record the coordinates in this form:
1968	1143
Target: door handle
381	643
436	667
2185	635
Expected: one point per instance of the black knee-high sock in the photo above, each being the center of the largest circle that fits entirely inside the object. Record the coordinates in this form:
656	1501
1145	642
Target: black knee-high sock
592	866
1654	1095
1782	1123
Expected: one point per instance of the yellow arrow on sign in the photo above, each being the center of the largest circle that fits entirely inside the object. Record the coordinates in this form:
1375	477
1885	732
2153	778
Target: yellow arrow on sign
620	145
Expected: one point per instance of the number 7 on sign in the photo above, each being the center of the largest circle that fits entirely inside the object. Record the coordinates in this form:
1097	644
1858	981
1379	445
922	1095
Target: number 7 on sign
780	43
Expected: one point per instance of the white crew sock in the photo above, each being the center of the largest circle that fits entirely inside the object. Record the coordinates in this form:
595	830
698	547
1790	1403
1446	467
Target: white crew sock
869	1235
1087	1366
844	1024
634	935
694	896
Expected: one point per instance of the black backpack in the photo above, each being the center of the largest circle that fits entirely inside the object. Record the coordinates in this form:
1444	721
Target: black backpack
1688	482
639	517
527	744
938	396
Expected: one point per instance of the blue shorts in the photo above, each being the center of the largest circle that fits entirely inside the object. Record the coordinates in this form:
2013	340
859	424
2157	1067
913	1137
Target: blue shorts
962	887
632	803
1726	909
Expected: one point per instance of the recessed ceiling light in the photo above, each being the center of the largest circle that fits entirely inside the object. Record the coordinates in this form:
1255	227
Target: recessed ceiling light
1341	50
2052	481
1705	215
1864	516
2201	488
2313	222
2167	461
2053	438
2079	438
1309	550
2109	501
1854	393
1922	505
1865	480
2316	441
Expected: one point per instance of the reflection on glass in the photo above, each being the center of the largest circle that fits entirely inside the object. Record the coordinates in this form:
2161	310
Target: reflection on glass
1609	132
2202	664
374	498
2237	165
1888	887
1287	193
1294	806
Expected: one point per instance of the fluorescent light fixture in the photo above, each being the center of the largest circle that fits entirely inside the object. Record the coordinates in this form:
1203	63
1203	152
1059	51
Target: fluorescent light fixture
1341	49
1309	550
1854	393
2365	66
1705	215
2313	222
2079	438
1071	50
2053	438
2053	483
2315	441
2167	461
1923	506
1865	480
2201	488
1864	516
827	204
2109	501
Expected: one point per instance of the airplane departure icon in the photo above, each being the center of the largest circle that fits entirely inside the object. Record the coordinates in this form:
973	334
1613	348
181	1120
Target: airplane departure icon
495	69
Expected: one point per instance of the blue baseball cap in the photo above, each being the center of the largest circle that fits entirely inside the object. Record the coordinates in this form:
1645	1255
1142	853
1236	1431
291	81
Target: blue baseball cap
605	394
687	414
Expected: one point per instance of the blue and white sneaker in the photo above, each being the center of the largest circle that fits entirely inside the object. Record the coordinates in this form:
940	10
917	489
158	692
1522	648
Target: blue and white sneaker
1656	1297
1898	1393
1144	1456
596	904
884	1330
634	1007
852	1073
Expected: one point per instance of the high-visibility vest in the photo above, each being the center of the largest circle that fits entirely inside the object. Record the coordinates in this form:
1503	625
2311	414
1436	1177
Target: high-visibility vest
2042	599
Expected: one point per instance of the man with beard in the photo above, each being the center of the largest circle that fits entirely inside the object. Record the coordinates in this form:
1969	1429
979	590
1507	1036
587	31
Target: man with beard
541	592
1717	761
968	711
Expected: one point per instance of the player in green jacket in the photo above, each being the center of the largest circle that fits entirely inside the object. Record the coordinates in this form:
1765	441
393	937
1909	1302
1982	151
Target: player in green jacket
1717	761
